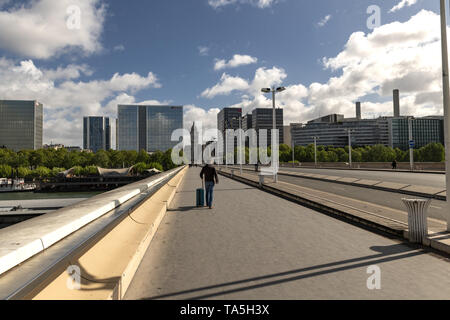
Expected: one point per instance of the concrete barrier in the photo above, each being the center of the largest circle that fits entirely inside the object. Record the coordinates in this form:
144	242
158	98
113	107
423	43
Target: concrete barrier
108	267
22	241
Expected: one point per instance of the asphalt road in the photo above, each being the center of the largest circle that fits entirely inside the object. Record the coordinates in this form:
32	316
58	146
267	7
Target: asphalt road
254	245
423	179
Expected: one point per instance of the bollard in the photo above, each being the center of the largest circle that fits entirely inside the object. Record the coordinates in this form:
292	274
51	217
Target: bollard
417	218
232	173
261	180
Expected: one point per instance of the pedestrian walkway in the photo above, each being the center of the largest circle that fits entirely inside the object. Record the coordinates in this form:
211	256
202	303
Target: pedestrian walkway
254	245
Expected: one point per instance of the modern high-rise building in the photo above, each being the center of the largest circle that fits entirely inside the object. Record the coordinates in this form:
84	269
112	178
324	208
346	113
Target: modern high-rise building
150	128
21	124
228	118
262	118
96	133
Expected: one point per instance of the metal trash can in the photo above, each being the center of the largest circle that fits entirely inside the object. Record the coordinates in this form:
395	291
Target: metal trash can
417	218
261	180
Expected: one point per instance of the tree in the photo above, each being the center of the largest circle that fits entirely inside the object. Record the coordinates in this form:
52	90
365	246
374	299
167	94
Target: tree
101	159
5	171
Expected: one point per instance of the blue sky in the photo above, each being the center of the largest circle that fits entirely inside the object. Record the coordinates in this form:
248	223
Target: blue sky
179	42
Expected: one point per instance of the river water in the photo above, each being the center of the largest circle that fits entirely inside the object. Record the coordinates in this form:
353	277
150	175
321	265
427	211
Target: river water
51	195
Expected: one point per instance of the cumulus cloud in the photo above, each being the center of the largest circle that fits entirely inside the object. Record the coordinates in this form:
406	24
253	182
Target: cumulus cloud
66	99
324	21
404	56
226	85
41	28
257	3
236	61
402	4
203	51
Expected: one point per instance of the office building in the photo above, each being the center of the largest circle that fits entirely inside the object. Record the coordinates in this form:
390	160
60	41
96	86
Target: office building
150	128
262	119
228	118
424	131
332	130
96	133
21	124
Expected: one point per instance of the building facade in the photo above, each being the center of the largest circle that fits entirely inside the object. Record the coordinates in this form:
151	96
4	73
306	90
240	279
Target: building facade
96	133
150	128
424	131
228	118
387	131
262	119
21	124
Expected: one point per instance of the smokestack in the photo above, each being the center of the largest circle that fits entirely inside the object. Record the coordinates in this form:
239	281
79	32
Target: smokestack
358	110
396	103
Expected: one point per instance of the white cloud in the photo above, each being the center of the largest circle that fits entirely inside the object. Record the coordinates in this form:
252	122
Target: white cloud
324	21
40	28
236	61
404	56
402	4
119	47
66	99
257	3
226	85
203	51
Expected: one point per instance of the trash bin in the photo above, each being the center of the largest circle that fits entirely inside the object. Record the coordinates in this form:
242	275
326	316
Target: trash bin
261	180
417	218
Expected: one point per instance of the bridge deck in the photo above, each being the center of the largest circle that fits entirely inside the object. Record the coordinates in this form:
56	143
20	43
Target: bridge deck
254	245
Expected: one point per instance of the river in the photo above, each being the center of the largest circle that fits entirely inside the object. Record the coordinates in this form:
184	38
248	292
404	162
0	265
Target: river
11	196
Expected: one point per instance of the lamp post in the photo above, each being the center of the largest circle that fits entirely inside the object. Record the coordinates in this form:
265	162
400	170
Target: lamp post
315	150
293	149
350	147
240	141
274	91
446	93
411	147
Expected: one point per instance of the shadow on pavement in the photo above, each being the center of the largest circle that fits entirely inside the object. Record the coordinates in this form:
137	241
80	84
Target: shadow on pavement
400	251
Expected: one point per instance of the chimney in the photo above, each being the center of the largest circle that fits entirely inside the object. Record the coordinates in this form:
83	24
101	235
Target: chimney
396	103
358	110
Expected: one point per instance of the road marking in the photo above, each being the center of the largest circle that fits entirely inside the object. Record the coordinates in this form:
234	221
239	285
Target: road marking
436	207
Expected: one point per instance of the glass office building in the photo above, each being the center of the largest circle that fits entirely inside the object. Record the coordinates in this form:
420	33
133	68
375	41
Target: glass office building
148	128
96	133
262	119
21	124
424	131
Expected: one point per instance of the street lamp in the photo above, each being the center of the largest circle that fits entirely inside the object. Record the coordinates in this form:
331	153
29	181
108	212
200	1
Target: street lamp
411	144
349	131
315	150
446	93
240	141
274	91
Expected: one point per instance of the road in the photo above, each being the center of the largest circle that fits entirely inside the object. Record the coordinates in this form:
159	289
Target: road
254	245
423	179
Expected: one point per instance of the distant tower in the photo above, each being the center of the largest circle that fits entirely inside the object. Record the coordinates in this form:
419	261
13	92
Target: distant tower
358	110
396	103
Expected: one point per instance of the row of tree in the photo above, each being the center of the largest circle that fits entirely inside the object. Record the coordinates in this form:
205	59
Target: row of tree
433	152
45	163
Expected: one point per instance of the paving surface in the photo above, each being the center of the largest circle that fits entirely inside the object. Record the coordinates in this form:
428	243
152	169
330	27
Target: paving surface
254	245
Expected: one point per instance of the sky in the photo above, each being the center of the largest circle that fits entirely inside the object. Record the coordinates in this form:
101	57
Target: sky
84	57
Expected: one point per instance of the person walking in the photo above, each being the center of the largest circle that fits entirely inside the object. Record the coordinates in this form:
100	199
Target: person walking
211	178
394	164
